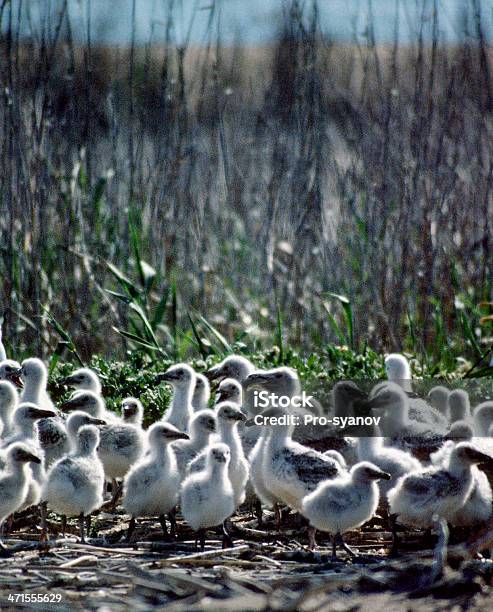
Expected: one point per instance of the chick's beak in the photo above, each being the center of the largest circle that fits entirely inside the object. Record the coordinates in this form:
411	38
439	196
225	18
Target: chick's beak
358	394
166	377
482	459
70	404
30	457
257	378
214	373
44	414
180	435
15	378
376	402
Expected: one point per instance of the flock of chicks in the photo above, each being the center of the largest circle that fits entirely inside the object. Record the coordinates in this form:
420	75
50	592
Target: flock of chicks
422	463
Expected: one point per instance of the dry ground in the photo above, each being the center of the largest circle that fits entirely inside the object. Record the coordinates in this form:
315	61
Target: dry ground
264	571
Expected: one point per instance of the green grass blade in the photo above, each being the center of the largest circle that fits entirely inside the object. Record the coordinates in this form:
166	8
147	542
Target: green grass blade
147	274
160	309
125	298
143	317
202	348
63	334
123	280
348	310
469	335
139	340
174	315
334	324
135	247
473	370
280	341
412	331
57	353
348	315
217	335
480	372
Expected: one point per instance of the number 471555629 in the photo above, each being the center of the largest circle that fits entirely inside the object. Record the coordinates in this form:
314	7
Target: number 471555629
34	597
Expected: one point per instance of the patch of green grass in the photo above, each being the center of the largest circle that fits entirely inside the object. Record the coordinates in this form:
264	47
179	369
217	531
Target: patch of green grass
137	374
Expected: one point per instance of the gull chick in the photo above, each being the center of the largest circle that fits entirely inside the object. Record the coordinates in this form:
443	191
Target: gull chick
238	368
344	503
202	425
201	393
393	461
477	508
403	432
14	482
83	379
399	371
8	403
207	497
90	402
483	418
229	390
292	470
437	490
257	479
438	397
52	433
74	484
459	407
152	485
10	370
460	431
34	375
229	416
182	378
233	366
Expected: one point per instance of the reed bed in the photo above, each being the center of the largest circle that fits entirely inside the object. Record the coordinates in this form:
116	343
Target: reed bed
185	199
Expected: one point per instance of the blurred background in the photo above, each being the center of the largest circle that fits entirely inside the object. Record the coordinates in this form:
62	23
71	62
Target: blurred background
188	176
